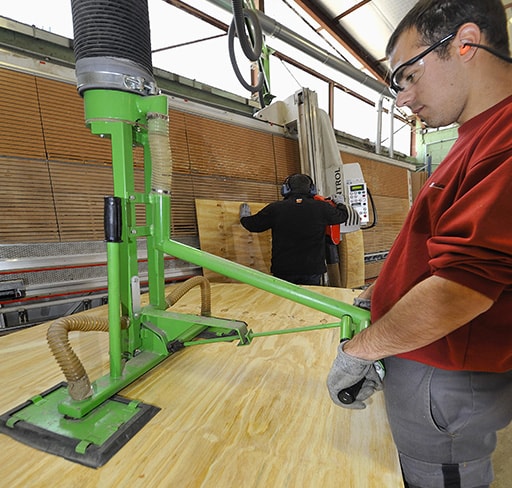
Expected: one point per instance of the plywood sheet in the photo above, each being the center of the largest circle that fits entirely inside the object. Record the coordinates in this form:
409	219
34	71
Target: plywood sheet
351	253
257	416
221	234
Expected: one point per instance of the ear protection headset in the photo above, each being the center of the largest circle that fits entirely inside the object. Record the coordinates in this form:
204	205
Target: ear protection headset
286	188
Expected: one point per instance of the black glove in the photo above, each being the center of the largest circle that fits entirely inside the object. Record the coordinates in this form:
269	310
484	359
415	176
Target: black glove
245	210
348	370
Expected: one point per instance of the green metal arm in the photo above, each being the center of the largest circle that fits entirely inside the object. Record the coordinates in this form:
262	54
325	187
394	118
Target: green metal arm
345	326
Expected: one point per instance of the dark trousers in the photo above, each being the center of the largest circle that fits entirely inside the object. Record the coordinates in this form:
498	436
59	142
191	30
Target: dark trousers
301	279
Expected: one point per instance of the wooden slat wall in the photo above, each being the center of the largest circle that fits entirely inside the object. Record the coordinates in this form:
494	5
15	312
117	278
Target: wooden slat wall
218	160
25	184
79	190
57	195
20	124
221	149
65	134
417	181
69	171
210	158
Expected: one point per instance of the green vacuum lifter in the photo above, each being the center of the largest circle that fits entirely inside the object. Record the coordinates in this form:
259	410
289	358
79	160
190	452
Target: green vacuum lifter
88	422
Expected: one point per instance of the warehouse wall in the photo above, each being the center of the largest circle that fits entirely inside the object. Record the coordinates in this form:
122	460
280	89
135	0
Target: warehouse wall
54	172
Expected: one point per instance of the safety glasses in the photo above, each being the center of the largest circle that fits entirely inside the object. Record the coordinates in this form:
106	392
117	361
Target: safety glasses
408	73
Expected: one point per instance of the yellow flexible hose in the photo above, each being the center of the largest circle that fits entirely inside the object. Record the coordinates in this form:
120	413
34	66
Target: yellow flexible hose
180	290
79	386
160	147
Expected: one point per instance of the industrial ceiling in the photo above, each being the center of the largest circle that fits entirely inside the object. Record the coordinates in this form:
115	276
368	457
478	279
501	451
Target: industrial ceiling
354	31
363	27
360	27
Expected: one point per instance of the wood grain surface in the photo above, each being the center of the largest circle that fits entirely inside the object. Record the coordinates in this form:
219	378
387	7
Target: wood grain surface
256	416
351	254
221	233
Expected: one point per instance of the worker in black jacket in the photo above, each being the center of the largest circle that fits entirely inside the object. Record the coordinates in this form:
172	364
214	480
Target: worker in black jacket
298	224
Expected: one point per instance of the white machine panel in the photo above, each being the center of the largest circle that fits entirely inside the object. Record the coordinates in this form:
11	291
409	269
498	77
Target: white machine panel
356	191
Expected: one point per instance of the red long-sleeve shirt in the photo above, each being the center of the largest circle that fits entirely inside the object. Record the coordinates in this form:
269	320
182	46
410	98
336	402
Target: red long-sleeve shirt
460	228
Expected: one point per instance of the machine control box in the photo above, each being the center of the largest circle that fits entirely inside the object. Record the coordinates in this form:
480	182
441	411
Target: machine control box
358	198
356	191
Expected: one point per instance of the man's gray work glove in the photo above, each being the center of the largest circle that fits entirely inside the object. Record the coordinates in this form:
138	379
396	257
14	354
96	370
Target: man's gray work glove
245	210
346	371
365	303
337	198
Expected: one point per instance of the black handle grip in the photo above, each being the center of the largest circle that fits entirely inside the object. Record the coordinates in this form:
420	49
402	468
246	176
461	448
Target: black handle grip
112	219
348	395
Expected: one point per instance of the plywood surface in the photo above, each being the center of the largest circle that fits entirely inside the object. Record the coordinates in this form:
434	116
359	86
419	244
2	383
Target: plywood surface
221	233
251	416
351	254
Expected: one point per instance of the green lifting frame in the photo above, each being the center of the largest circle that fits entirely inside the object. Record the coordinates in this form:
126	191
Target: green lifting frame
153	332
122	117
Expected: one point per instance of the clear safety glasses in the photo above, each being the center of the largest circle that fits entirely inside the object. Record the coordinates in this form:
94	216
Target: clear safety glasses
408	73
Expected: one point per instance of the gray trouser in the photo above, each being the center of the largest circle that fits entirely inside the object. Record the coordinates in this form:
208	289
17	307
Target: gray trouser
444	423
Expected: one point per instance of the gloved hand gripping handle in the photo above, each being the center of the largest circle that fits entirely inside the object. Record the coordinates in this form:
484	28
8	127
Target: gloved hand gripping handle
348	395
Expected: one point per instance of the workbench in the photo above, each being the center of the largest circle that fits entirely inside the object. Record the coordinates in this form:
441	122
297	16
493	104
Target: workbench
257	416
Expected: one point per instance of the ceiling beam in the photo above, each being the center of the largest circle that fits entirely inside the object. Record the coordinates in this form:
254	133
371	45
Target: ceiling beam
346	40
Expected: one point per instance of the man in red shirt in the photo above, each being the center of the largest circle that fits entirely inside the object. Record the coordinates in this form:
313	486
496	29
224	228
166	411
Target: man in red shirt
442	305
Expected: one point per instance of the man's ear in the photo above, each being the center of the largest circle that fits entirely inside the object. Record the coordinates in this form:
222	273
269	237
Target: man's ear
468	35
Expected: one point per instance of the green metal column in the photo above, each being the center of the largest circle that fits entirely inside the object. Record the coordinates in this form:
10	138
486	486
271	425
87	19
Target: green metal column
114	309
156	270
115	115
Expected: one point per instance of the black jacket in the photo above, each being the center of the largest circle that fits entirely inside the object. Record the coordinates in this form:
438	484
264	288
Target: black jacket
298	232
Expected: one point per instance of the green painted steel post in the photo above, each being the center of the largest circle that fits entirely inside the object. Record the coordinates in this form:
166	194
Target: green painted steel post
116	115
160	205
114	310
122	117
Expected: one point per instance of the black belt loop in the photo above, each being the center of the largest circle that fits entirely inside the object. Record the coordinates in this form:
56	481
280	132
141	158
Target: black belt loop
451	475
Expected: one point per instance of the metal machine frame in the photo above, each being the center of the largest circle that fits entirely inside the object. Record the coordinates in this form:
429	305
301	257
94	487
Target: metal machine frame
88	422
140	337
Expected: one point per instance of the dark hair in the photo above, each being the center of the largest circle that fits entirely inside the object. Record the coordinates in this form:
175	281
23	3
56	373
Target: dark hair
435	19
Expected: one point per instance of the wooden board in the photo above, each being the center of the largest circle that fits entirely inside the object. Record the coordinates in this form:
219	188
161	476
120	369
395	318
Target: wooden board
256	416
351	253
221	233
